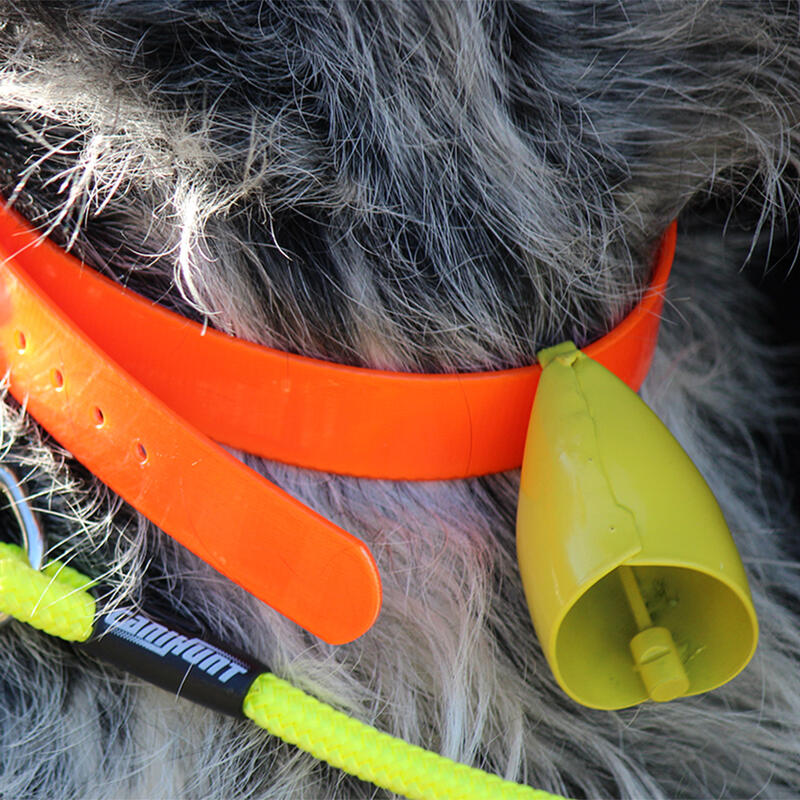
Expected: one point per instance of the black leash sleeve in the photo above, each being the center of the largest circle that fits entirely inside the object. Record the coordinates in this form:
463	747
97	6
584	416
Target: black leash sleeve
184	664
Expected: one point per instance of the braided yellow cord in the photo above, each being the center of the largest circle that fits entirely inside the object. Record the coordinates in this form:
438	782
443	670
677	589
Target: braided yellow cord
388	762
54	600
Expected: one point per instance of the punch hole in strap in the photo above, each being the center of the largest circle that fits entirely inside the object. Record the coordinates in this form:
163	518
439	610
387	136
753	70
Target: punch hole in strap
58	383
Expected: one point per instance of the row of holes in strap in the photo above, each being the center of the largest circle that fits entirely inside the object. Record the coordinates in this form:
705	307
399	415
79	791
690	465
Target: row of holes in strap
57	382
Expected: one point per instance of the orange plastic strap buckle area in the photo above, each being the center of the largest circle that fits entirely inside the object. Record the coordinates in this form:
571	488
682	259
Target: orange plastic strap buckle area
141	395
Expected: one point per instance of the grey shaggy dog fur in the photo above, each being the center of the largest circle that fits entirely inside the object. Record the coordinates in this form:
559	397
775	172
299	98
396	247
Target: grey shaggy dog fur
439	187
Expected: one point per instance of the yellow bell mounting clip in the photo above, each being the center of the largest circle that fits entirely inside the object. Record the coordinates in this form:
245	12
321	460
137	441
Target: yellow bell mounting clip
635	586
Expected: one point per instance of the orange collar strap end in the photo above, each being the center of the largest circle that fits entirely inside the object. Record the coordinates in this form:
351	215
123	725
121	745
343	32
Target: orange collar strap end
106	372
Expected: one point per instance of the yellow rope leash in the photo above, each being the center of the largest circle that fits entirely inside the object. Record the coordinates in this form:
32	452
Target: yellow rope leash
57	602
388	762
53	600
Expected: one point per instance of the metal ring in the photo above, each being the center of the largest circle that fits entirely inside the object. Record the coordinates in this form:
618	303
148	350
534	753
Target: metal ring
33	540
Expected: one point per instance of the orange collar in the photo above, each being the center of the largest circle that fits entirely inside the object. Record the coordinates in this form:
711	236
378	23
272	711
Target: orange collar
140	395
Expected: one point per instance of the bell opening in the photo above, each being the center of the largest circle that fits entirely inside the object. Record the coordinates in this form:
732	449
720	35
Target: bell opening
712	626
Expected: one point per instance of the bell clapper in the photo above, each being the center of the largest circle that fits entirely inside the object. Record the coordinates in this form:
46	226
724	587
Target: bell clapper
653	648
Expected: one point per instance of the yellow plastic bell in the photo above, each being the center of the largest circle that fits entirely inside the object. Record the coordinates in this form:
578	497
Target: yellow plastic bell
635	586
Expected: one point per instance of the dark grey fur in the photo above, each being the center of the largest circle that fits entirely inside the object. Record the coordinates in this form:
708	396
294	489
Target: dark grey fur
413	186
